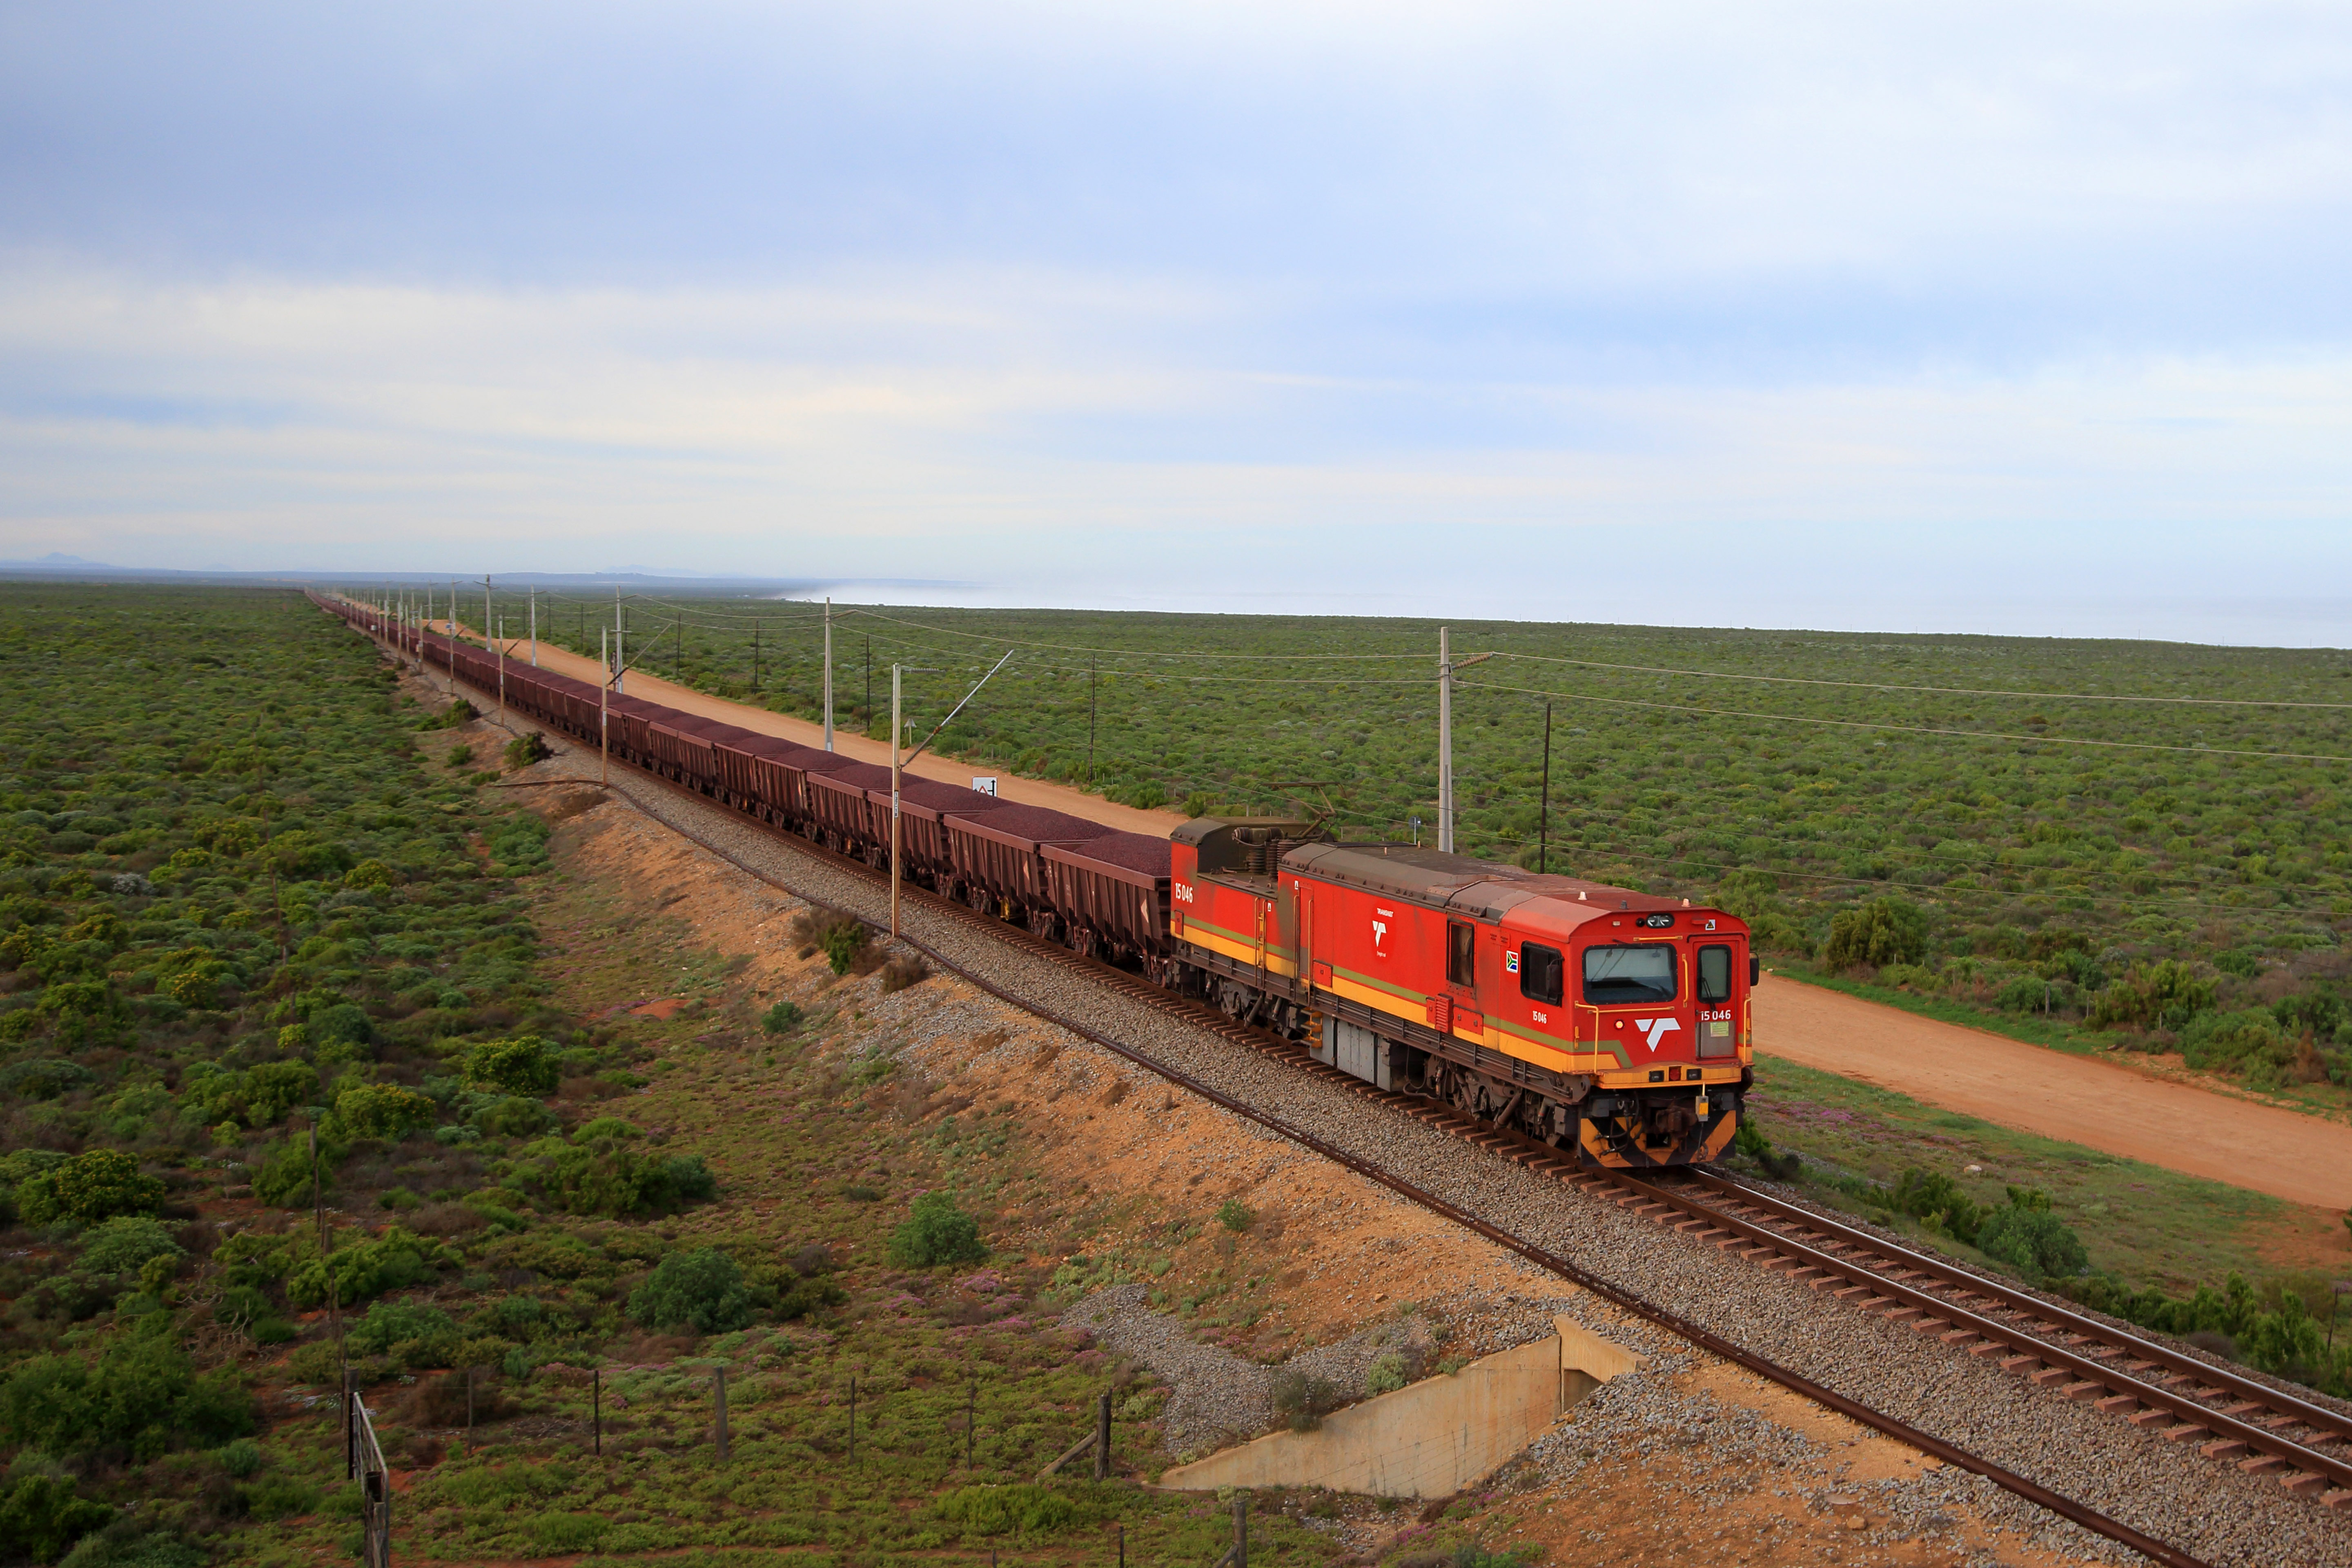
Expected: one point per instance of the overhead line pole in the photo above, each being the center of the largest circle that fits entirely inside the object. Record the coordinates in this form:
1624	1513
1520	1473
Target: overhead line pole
605	711
1447	665
1543	815
828	673
1444	744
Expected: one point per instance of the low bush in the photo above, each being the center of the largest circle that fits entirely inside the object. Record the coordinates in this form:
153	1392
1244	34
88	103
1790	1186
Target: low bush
523	1065
937	1232
1883	932
140	1396
526	749
900	973
703	1290
780	1019
42	1516
91	1186
127	1244
1021	1508
1301	1400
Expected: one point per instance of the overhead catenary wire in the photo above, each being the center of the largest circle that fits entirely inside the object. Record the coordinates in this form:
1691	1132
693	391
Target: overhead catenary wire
1932	690
1906	729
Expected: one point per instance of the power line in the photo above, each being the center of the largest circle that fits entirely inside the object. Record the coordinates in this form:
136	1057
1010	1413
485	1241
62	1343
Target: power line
1937	690
1909	729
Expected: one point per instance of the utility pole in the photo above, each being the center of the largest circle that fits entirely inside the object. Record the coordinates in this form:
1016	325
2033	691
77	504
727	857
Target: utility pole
502	673
828	673
618	623
453	633
604	710
1543	814
1447	665
755	656
1444	744
1090	720
535	627
894	691
486	620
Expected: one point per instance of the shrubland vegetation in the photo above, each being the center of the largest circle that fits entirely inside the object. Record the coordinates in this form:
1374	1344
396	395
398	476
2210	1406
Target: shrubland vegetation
241	920
244	909
2033	870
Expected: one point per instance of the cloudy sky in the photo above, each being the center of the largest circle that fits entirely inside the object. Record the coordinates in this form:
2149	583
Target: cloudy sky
1985	317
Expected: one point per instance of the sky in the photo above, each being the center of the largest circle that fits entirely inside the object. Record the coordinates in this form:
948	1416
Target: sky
1988	317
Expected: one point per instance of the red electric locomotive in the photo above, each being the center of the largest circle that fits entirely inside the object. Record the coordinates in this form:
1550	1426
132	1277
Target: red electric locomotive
1603	1021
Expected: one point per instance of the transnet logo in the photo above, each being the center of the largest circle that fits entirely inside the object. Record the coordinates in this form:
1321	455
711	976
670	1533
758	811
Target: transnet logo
1655	1029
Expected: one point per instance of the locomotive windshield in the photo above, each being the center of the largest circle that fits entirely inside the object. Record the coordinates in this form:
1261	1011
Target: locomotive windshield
1644	974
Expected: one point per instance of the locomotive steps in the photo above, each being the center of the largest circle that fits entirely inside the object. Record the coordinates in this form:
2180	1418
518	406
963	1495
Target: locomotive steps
2162	1488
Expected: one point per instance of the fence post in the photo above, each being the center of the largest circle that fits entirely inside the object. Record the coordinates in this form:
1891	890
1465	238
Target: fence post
719	1389
1102	1440
1241	1529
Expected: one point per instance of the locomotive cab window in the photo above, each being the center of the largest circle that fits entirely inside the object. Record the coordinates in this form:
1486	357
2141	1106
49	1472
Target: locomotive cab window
1630	974
1713	976
1539	975
1461	952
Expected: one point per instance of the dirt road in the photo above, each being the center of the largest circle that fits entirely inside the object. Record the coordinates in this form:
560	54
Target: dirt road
2080	1100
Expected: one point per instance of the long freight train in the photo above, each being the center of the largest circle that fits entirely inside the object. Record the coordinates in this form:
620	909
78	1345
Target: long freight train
1608	1023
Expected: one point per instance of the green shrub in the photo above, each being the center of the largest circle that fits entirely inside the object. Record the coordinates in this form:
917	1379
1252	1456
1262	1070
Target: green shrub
365	1270
782	1018
1301	1399
383	1111
1003	1510
343	1024
140	1395
369	875
2165	995
390	1323
1234	1216
1387	1374
241	1459
97	1185
845	944
936	1232
126	1244
524	1065
2034	1241
124	1544
1937	1199
520	842
42	1517
1882	932
611	1179
568	1532
458	757
702	1289
526	749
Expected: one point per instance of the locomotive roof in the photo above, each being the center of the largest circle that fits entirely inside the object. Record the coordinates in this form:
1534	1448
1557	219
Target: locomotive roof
1434	878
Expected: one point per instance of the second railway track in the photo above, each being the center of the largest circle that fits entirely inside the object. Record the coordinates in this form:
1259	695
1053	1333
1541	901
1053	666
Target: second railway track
2231	1419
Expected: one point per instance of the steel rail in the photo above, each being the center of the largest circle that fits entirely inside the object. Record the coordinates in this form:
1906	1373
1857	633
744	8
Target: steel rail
1663	1317
2059	1319
1890	1295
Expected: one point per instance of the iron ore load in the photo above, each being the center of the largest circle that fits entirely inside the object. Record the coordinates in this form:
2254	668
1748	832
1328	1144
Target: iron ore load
1611	1025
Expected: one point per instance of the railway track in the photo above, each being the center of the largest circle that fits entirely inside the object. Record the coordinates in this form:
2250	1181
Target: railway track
2231	1418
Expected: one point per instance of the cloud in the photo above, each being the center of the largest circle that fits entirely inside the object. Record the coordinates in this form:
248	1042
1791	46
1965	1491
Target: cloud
1058	291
